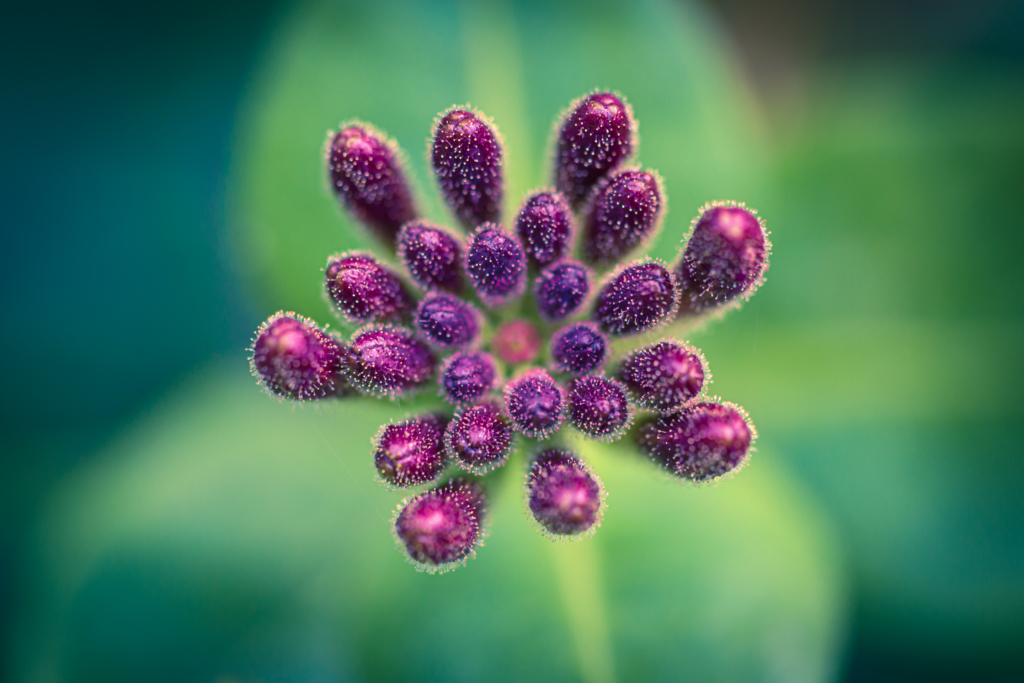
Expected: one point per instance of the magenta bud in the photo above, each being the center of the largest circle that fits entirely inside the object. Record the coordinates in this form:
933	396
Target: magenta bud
579	348
293	358
432	256
725	258
447	321
637	298
440	529
626	211
496	265
466	155
516	342
699	443
664	376
467	376
535	403
544	225
600	407
363	291
411	453
561	289
367	176
385	360
479	438
596	136
564	495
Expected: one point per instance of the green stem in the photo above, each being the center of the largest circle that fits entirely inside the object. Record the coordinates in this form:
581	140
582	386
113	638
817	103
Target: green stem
579	583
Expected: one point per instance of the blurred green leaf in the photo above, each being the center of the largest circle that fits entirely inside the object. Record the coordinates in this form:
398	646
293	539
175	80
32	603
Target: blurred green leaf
227	516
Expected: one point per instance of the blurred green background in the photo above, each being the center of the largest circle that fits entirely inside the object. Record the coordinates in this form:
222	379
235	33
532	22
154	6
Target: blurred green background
162	520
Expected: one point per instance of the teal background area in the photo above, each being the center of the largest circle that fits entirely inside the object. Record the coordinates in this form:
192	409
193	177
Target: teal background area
161	519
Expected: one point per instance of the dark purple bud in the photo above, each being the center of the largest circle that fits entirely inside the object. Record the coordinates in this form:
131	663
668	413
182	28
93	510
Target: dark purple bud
440	529
467	376
411	453
516	342
565	497
561	289
725	258
363	291
479	438
699	443
579	348
384	360
600	407
637	298
293	358
626	211
466	155
596	137
432	256
367	176
496	265
545	226
447	321
665	376
535	403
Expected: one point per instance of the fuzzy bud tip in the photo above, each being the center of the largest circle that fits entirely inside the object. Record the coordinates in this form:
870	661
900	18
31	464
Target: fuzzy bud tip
467	376
367	176
466	155
700	443
441	528
293	358
725	258
564	496
411	453
596	137
479	438
536	404
432	256
579	348
637	298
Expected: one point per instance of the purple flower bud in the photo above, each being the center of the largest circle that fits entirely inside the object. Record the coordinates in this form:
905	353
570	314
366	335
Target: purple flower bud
665	376
362	290
367	176
637	298
447	321
292	358
565	497
441	528
516	342
725	258
561	289
600	407
535	403
496	265
432	256
579	348
384	360
466	155
596	137
467	376
699	443
412	452
479	438
545	226
626	211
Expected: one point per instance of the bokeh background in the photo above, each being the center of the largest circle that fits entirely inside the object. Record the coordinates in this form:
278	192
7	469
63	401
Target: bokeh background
161	520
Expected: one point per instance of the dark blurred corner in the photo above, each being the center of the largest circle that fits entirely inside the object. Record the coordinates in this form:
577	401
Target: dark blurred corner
116	135
117	123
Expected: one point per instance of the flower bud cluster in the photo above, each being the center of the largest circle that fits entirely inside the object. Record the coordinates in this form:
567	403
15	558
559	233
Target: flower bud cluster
445	307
